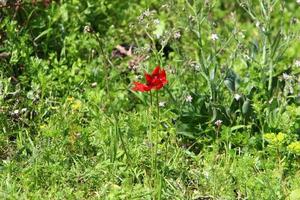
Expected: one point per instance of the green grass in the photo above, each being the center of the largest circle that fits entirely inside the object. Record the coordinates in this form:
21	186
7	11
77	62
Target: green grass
71	127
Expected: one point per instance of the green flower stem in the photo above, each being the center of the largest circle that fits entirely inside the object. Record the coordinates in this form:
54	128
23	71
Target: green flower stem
157	175
156	135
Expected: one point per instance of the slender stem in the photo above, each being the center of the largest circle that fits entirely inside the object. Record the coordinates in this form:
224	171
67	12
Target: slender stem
157	175
106	60
121	139
151	103
153	159
157	130
157	106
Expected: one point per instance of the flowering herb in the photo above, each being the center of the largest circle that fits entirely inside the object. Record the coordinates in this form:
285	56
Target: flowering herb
155	81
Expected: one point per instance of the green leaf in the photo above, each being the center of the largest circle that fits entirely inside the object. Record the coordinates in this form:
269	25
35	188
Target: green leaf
295	195
246	107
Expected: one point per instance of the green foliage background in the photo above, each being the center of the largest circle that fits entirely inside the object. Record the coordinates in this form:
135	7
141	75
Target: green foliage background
72	128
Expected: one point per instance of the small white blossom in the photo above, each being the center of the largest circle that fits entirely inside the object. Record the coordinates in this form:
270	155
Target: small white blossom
156	21
87	29
162	104
206	174
177	35
94	84
286	76
218	123
188	98
138	77
15	112
257	24
298	1
214	37
157	35
241	35
147	13
237	96
297	62
195	66
247	57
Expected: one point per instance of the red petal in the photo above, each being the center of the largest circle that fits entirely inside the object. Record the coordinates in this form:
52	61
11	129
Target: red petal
156	71
140	87
148	78
162	74
159	86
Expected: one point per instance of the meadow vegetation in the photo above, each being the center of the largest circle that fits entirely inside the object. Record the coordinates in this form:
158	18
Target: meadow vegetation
220	118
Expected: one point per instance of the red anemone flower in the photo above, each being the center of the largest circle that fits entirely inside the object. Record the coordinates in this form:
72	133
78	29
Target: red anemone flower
154	81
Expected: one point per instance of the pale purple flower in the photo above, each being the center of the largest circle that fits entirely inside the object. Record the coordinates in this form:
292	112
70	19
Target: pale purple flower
218	123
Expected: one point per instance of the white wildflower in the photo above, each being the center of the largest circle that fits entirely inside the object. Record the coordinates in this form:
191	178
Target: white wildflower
257	24
188	98
286	77
162	104
195	66
241	35
218	123
206	174
214	37
247	57
138	77
87	29
15	112
156	21
94	84
297	62
177	35
147	13
237	96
